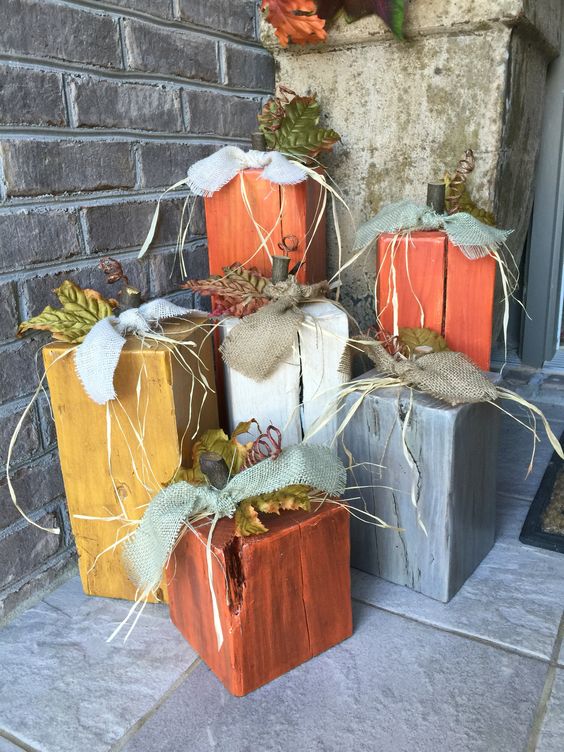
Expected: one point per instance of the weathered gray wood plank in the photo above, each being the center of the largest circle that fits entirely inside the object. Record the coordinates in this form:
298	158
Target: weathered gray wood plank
454	449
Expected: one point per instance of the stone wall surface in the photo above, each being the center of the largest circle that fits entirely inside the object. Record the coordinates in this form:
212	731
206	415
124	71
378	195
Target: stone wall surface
102	105
471	74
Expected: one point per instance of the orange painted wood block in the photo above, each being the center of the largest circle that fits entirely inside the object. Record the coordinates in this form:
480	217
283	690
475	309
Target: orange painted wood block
288	591
160	415
437	287
469	305
418	265
279	210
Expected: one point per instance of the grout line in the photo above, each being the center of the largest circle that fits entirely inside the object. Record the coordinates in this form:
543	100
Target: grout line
121	32
77	263
128	75
540	713
17	742
456	633
105	7
55	133
132	731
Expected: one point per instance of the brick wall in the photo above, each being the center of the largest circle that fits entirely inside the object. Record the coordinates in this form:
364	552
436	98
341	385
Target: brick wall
102	104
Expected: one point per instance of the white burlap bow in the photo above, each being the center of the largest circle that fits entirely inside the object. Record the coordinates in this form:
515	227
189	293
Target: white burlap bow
97	357
210	174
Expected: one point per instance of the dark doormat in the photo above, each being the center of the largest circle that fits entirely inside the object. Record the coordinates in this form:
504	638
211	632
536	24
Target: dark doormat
544	526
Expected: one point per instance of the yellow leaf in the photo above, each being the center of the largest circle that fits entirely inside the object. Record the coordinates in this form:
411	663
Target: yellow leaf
412	338
247	521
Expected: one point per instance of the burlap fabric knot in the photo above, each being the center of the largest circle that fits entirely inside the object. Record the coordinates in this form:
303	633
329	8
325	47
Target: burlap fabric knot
261	341
474	238
448	376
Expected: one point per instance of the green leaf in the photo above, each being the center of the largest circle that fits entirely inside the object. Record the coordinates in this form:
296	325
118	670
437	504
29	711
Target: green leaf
81	309
292	127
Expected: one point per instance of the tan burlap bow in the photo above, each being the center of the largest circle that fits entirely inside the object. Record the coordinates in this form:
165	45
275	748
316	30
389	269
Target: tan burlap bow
261	341
448	376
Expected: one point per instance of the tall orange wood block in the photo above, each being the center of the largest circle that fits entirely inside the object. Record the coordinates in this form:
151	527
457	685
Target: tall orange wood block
279	210
288	591
439	288
109	482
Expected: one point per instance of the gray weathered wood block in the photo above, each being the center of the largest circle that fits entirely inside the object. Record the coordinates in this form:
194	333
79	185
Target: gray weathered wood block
455	451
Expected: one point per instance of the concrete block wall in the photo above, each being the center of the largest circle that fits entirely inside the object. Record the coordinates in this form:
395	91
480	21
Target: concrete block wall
102	105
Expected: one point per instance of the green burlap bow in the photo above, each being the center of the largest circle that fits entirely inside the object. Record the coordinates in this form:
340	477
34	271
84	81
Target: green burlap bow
147	551
474	238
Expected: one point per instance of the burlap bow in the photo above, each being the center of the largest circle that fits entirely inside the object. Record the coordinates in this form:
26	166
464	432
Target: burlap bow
474	238
96	359
210	174
148	550
448	376
261	341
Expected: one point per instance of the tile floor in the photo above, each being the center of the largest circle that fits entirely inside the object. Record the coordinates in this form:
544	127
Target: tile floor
484	673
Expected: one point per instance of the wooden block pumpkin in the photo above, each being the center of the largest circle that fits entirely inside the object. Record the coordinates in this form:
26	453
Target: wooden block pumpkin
103	484
304	384
283	596
437	287
280	210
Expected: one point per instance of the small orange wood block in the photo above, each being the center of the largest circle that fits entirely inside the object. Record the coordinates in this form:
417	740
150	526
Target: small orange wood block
439	288
279	211
288	589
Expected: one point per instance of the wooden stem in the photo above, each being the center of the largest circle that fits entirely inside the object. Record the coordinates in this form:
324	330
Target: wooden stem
280	266
436	197
129	297
215	469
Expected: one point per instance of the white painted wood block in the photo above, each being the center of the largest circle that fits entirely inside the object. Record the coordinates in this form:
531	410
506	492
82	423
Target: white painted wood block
310	375
322	341
455	451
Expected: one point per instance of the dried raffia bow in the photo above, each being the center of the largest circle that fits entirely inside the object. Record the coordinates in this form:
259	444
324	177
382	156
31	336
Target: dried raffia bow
180	505
260	342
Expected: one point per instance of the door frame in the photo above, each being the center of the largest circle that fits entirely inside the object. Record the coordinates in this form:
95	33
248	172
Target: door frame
540	330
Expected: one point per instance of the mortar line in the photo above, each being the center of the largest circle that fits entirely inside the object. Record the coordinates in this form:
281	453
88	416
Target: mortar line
128	76
542	706
77	263
103	133
132	731
522	653
106	8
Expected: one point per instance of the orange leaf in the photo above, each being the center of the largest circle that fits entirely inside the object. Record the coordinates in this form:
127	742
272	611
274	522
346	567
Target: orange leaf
295	21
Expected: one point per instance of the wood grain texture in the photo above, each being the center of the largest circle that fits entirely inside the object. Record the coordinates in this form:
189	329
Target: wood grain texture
420	276
272	401
455	451
310	375
164	410
322	342
279	210
289	593
469	305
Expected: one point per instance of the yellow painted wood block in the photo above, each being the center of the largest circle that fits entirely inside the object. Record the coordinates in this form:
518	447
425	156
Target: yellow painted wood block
115	458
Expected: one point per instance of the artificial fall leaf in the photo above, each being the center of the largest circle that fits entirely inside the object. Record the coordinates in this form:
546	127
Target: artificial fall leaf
247	521
290	125
216	440
412	338
291	497
81	309
392	12
238	293
294	21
